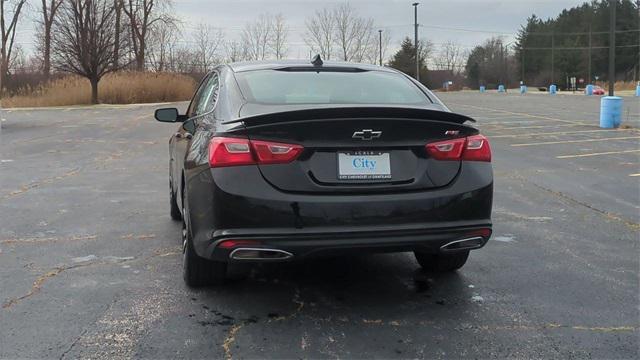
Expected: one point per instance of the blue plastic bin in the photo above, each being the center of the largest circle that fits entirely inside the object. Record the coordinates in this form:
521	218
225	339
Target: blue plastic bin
589	90
553	89
610	112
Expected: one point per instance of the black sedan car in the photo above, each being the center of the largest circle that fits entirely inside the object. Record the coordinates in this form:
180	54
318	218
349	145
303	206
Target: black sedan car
278	161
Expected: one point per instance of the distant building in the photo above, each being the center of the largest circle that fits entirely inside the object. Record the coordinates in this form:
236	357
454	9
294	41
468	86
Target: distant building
438	78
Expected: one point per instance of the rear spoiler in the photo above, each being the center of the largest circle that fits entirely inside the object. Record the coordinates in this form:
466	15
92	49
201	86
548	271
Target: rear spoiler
351	113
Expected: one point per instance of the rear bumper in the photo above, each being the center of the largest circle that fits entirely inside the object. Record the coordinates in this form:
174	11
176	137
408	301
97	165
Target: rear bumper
237	203
314	243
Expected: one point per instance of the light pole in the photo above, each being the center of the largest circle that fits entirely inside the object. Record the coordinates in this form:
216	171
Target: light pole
612	46
553	58
505	58
380	33
522	49
637	78
415	11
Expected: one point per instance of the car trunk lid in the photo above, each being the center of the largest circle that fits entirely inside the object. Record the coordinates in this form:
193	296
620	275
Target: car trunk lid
358	149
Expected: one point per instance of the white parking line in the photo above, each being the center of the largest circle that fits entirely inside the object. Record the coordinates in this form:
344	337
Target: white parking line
522	114
597	154
559	133
510	122
536	127
575	141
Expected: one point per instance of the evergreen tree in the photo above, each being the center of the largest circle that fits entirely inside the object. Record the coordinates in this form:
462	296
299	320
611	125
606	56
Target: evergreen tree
569	35
487	65
405	60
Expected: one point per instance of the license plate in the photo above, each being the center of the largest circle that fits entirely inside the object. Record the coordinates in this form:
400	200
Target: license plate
364	166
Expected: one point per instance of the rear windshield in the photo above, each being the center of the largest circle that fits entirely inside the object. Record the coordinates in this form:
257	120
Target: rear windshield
329	87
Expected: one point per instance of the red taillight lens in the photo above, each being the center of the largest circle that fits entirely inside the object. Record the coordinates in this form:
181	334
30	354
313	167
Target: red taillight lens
477	149
230	152
486	232
472	148
230	244
446	150
275	153
225	151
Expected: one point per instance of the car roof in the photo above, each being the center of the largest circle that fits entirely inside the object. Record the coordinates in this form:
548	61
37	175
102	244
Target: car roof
277	64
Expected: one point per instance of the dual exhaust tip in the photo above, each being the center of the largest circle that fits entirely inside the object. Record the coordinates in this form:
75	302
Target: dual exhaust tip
262	254
259	254
471	243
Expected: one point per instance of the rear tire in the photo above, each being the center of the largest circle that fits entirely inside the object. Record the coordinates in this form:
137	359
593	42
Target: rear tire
175	210
442	262
198	271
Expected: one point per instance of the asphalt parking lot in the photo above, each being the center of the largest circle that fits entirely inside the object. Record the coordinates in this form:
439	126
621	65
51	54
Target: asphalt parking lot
90	263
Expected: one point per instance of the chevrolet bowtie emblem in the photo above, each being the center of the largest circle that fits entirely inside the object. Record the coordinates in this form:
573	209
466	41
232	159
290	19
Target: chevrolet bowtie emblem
366	134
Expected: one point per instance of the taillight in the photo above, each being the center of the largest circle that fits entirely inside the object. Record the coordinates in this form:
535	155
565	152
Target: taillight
485	233
275	153
472	148
446	150
477	149
225	151
230	244
230	152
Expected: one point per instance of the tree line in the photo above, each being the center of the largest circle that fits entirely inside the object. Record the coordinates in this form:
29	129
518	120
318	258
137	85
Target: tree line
573	44
91	38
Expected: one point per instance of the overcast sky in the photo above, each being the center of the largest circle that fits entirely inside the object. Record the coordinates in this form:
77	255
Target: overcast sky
467	22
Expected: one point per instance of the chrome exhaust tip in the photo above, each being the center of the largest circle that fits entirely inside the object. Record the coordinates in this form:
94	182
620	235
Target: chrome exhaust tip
261	254
464	244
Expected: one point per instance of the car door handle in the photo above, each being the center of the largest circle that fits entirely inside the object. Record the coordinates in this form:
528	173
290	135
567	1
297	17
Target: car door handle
187	136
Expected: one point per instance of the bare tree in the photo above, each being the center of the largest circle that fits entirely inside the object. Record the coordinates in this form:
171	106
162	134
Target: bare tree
425	49
235	51
208	41
184	60
320	31
366	42
143	16
18	62
162	43
84	40
48	13
9	12
278	39
117	7
34	63
256	37
450	57
343	31
353	34
373	52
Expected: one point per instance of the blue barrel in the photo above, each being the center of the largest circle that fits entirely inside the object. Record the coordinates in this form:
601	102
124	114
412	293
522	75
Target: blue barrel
589	90
610	112
523	89
500	88
553	89
638	90
482	89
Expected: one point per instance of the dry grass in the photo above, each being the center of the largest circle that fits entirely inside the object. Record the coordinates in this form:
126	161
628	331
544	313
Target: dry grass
630	85
619	85
117	88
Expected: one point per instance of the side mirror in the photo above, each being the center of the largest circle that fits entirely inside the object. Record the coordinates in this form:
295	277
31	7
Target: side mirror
168	115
